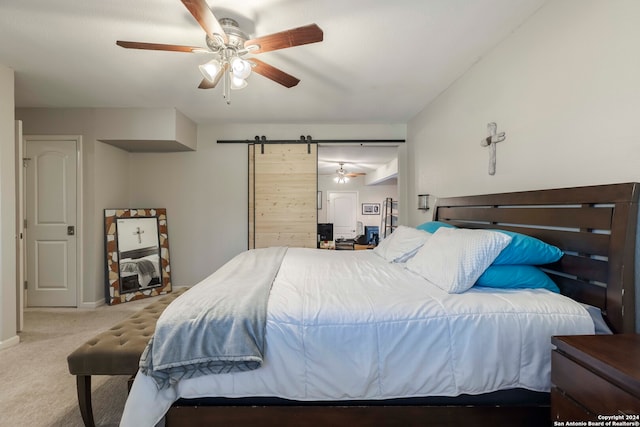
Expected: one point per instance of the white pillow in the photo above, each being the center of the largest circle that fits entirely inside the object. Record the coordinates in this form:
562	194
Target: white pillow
454	258
401	244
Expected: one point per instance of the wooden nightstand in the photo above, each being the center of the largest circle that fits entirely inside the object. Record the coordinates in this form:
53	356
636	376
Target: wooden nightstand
594	376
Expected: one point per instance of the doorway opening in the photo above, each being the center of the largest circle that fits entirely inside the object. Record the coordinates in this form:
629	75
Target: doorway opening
372	173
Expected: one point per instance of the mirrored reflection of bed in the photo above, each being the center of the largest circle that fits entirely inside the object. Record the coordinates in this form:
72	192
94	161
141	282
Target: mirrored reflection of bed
140	269
392	339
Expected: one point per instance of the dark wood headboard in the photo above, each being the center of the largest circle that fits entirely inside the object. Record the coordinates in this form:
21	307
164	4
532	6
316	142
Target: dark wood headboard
596	227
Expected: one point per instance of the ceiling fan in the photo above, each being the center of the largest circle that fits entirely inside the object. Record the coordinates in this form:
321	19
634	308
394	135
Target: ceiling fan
229	45
342	175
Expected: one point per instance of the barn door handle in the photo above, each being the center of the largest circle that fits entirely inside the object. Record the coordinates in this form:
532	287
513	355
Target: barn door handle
71	230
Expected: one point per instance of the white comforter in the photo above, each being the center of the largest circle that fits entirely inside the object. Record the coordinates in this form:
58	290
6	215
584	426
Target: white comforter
349	325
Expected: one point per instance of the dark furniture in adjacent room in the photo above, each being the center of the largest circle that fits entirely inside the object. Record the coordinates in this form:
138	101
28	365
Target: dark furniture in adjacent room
325	232
372	234
345	244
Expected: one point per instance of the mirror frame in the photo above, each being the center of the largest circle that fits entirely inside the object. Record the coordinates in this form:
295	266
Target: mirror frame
113	292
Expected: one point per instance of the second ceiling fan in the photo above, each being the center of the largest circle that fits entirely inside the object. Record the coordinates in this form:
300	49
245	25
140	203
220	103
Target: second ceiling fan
229	45
342	175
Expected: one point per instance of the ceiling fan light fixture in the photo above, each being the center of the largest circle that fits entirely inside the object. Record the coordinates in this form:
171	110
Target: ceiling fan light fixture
211	69
341	175
237	83
240	67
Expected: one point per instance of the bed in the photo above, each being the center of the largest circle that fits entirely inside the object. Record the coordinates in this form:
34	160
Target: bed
140	269
378	384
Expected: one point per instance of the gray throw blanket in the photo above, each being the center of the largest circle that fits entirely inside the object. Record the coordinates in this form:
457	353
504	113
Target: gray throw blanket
146	267
218	326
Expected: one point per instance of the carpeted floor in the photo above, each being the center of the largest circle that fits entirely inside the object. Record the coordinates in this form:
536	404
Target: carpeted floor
36	389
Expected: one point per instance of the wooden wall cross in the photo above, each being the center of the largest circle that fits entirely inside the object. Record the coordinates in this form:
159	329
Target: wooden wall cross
491	141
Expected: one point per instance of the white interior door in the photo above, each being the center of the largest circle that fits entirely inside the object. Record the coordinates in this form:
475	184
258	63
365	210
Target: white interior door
342	213
51	212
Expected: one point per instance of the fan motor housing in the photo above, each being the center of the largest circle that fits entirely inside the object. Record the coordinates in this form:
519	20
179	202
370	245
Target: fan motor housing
235	36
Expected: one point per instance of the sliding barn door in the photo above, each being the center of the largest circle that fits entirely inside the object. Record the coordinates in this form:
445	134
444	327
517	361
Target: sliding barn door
283	184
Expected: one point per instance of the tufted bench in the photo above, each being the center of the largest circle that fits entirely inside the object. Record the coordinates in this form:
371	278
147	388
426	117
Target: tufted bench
116	351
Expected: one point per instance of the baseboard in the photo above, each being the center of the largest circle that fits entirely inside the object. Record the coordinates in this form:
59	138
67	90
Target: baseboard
14	340
96	304
92	305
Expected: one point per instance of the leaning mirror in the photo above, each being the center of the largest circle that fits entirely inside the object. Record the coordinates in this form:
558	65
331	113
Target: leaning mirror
137	249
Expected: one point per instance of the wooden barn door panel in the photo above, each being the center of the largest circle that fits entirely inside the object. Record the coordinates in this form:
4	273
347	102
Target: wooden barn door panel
284	199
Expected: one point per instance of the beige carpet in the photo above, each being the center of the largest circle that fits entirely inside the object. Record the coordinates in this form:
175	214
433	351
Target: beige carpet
36	389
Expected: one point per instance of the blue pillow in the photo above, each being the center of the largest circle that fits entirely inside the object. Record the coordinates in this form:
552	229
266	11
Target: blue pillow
432	226
516	277
527	250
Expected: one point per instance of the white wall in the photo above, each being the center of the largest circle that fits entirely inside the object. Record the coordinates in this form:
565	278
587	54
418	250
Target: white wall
205	194
8	291
565	89
111	189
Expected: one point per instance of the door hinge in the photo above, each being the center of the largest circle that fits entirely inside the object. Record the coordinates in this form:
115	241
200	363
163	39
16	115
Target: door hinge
25	223
26	285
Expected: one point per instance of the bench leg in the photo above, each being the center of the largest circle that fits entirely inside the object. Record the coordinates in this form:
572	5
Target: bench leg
130	383
84	399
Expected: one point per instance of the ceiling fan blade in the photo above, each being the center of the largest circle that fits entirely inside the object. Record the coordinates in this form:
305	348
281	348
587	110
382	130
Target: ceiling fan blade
160	46
206	84
273	73
289	38
205	17
354	174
